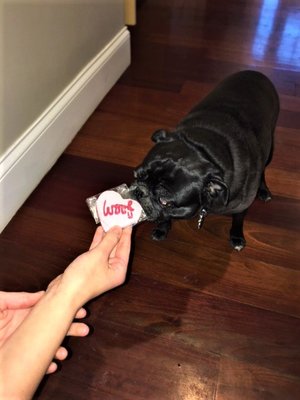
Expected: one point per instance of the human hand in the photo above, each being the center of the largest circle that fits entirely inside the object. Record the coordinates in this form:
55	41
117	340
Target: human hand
32	325
15	307
101	268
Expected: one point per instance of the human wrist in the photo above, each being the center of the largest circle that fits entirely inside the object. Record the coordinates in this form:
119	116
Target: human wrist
66	293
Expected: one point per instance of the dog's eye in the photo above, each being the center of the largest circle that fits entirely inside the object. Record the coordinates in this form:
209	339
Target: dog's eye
166	203
163	201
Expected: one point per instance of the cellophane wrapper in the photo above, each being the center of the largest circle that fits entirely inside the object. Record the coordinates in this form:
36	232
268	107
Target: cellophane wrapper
123	191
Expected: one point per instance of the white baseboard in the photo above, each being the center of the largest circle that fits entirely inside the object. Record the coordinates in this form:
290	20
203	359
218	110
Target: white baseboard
24	165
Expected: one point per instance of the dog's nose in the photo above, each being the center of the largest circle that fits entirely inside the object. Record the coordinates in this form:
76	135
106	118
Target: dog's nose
140	191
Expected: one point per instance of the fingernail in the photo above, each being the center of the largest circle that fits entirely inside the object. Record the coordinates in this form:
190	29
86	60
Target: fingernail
84	330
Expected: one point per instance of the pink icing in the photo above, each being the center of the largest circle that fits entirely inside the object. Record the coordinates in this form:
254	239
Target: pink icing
114	210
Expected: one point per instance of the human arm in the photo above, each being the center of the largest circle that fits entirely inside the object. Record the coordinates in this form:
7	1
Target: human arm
15	307
27	354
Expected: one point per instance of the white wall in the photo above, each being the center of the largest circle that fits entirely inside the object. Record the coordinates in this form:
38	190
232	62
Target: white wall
45	43
58	59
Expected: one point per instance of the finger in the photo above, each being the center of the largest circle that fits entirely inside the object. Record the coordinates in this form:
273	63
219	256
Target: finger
125	237
81	313
78	329
122	250
52	368
61	353
17	300
109	241
98	236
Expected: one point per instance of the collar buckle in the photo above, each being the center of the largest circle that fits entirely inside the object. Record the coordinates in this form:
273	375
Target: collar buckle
202	215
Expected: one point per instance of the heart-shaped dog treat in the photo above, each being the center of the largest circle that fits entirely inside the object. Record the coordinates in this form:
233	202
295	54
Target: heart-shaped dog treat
114	210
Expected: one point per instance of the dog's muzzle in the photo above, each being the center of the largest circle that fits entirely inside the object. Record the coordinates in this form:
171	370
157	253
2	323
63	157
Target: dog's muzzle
139	190
142	194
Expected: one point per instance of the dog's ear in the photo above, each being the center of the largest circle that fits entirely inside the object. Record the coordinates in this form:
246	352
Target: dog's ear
161	136
216	190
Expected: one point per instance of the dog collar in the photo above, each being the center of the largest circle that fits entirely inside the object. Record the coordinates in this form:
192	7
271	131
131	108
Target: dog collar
202	215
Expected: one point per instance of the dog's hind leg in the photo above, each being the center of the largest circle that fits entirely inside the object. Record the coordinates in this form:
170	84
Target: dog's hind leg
237	239
162	230
263	192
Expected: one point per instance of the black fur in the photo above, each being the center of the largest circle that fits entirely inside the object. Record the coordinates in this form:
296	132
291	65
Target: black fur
214	159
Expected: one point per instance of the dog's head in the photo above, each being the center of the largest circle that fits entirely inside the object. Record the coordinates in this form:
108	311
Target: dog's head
176	180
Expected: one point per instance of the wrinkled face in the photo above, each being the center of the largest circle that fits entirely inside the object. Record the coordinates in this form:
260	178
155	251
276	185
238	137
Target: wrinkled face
168	183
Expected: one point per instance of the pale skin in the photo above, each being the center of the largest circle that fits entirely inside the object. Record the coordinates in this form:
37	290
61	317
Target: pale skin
15	307
33	325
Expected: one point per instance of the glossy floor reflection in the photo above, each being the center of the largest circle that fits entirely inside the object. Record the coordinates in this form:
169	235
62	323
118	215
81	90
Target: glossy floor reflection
283	29
195	320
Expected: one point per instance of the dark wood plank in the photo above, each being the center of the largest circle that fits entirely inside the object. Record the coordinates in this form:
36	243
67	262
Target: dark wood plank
195	320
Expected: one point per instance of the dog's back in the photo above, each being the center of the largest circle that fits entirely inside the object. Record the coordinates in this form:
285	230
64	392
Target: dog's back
245	103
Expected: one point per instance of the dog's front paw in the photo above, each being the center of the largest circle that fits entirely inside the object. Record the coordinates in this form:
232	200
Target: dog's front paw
159	234
238	243
264	194
162	229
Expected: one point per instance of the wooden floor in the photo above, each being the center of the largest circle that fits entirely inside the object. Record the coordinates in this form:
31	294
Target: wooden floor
195	319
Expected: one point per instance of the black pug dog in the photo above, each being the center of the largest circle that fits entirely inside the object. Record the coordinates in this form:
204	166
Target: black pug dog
214	161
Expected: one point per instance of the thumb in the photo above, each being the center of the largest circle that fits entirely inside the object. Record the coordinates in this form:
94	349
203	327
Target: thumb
97	237
110	240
